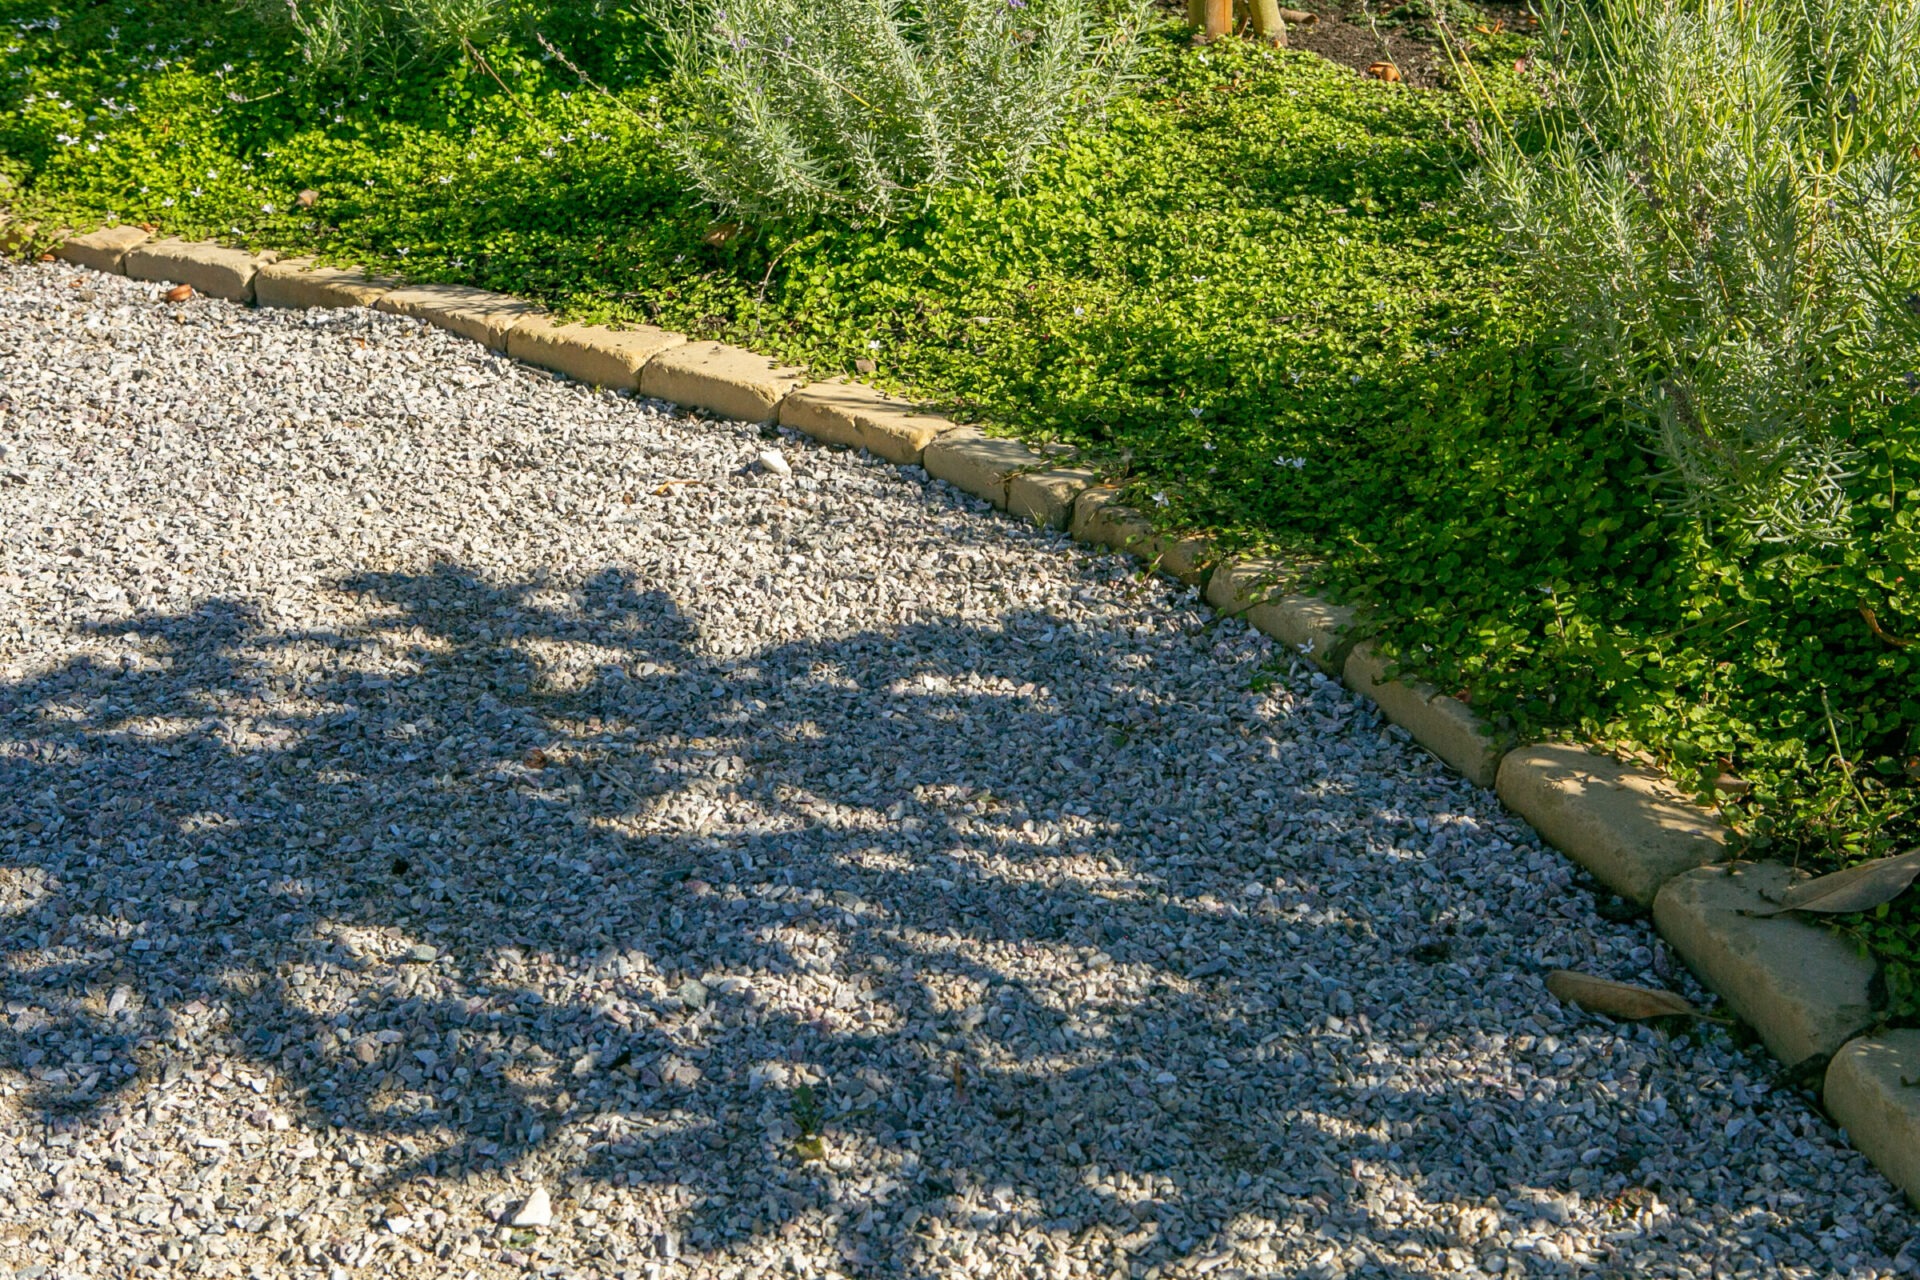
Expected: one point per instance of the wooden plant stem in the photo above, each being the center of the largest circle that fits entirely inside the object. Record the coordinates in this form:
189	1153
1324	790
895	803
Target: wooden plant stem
1267	20
1213	17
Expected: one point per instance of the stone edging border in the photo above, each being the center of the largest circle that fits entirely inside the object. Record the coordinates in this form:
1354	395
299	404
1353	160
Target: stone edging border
1810	996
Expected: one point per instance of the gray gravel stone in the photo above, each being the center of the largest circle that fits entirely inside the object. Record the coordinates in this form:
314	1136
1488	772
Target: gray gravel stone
821	877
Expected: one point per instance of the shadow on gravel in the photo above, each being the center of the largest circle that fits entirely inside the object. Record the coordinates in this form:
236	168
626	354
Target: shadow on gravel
531	957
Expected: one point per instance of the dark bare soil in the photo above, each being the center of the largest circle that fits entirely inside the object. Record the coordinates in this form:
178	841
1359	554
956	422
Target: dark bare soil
1346	34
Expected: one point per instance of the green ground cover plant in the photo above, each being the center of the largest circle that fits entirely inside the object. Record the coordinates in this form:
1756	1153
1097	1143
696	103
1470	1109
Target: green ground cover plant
1260	293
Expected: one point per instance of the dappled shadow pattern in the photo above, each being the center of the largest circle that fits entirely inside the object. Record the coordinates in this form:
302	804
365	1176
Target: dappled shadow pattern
649	923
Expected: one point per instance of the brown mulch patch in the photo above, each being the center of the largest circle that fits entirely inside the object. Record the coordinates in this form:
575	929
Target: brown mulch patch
1344	35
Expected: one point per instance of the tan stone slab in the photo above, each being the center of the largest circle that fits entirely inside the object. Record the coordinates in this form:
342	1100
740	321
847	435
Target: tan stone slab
16	236
212	269
1186	559
476	314
729	381
1806	989
1306	624
298	284
590	352
1441	724
103	250
860	417
1629	826
1046	497
1099	518
977	463
1873	1091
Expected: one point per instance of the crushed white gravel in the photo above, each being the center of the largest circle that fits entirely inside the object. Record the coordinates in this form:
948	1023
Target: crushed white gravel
435	797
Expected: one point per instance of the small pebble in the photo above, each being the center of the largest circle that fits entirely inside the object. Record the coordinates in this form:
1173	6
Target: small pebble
535	1211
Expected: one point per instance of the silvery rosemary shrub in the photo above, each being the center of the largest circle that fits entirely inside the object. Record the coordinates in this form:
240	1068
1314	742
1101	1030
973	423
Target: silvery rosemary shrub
1724	214
386	35
863	108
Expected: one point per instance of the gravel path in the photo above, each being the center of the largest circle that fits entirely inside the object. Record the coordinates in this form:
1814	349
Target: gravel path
426	785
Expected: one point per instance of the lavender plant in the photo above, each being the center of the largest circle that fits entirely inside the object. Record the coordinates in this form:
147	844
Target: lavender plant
1724	213
864	107
348	35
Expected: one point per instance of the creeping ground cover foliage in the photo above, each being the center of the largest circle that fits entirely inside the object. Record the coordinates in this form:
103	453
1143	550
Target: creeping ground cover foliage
1255	286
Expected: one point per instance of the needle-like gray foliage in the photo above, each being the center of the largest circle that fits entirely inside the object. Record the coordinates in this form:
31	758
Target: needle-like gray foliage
862	108
1725	213
386	35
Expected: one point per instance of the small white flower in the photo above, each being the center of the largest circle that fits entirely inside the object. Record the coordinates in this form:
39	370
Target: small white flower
1079	311
266	208
547	152
873	344
166	202
213	173
1160	499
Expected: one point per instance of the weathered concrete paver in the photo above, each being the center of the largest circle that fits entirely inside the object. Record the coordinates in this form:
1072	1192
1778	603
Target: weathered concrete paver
435	794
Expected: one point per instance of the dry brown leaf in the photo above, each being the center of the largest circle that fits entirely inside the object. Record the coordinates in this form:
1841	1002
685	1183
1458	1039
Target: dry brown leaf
1298	17
1385	71
179	293
720	233
307	198
1860	888
1617	999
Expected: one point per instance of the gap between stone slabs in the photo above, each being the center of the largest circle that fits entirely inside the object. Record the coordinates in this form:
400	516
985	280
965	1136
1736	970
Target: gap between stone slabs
1800	986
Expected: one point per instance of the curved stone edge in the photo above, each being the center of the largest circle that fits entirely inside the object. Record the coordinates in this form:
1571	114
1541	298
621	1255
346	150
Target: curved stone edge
1624	830
212	269
1442	724
1806	990
1872	1090
1628	826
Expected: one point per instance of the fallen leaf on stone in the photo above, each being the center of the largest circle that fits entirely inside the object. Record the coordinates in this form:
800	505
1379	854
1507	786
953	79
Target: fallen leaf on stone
1860	888
1617	999
179	293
